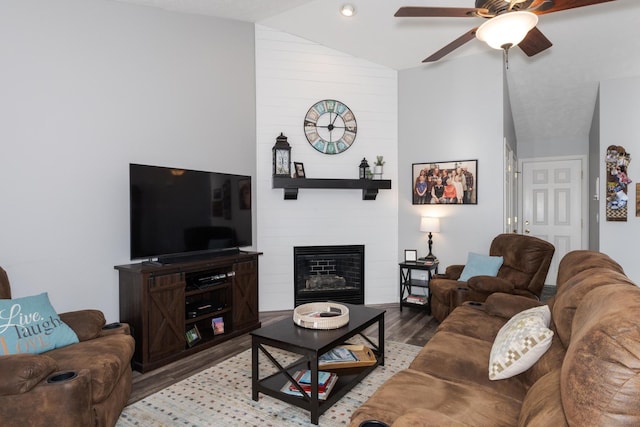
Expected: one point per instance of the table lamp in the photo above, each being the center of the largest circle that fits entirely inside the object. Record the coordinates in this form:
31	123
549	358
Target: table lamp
430	225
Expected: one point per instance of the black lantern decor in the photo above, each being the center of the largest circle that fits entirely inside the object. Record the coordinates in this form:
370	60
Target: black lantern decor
282	157
365	171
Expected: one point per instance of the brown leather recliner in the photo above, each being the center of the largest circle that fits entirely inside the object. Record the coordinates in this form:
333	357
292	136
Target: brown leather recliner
82	384
523	272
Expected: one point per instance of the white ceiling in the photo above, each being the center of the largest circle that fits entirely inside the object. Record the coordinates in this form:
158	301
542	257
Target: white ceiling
552	93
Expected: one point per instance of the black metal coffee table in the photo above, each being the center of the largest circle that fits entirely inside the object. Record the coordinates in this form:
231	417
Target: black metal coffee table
310	344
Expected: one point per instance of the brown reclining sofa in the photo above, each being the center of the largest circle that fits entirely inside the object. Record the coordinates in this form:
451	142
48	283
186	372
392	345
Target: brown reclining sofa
82	384
589	376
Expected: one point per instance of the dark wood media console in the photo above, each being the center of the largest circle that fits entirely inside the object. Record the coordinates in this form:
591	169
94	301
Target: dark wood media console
162	302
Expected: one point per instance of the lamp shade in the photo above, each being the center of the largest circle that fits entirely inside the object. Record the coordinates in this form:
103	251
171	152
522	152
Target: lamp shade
506	30
430	224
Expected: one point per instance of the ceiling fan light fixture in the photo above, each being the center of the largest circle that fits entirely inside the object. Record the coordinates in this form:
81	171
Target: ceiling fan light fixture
507	30
348	10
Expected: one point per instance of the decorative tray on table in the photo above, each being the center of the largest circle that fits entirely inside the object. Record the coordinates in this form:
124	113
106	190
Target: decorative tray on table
321	315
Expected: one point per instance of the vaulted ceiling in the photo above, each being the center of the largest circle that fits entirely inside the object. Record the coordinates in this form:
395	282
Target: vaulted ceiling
552	94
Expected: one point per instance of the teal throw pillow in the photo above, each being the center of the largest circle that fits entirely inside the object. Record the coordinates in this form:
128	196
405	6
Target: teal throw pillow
31	325
480	265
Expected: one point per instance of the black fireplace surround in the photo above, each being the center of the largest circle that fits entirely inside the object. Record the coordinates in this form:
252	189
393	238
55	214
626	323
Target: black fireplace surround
328	273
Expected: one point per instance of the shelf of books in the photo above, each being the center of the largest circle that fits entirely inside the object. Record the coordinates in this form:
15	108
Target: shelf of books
338	368
417	299
326	382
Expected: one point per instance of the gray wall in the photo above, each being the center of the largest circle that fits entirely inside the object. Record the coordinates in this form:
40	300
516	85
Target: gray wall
509	125
452	110
594	177
619	112
89	86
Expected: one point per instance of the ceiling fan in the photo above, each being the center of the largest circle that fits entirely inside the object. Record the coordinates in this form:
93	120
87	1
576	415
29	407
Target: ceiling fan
509	22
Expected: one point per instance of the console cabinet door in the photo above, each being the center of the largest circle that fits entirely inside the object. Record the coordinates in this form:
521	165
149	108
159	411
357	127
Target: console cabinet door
245	294
166	315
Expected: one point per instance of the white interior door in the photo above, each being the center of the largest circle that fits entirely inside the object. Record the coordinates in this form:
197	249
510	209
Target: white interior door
552	195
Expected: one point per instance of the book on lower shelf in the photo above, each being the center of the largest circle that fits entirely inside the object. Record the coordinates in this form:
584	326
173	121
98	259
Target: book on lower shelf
326	381
217	324
417	299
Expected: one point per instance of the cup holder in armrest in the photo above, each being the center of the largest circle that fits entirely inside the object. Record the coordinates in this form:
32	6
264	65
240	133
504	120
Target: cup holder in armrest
62	376
113	325
373	423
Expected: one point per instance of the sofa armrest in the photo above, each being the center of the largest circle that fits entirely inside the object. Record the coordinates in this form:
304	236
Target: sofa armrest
116	328
452	272
87	324
490	284
21	372
51	403
508	305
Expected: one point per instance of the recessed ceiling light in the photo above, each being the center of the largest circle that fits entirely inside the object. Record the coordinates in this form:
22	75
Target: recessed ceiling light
348	10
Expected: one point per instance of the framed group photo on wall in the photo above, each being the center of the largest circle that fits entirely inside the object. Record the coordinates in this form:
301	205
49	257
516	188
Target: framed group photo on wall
445	183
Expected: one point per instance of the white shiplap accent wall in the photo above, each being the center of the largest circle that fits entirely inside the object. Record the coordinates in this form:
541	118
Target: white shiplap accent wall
291	75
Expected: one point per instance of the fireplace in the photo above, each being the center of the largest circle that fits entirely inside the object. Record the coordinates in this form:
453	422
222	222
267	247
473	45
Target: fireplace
328	273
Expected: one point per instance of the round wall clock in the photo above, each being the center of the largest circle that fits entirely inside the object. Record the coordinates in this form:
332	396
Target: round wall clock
330	126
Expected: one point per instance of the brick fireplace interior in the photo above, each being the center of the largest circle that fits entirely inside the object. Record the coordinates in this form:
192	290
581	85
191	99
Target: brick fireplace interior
329	273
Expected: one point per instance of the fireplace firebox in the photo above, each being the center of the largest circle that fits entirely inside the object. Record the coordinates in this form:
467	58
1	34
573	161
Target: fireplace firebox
328	273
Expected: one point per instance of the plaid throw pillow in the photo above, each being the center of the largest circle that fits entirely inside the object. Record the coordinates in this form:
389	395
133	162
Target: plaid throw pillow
520	343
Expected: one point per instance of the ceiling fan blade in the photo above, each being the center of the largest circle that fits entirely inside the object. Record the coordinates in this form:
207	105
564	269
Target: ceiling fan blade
535	42
453	12
540	7
452	46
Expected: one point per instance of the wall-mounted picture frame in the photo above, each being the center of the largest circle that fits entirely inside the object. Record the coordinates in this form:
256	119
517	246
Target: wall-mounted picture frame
410	255
299	169
445	183
193	336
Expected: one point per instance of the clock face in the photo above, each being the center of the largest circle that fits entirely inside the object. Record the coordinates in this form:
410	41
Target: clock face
330	126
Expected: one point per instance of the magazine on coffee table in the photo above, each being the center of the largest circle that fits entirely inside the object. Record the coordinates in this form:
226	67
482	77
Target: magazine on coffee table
338	354
363	357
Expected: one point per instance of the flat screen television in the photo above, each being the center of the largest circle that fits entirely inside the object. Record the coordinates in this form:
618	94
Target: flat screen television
176	213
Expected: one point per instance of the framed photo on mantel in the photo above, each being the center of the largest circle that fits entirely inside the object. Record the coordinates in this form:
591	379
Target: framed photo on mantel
299	169
445	183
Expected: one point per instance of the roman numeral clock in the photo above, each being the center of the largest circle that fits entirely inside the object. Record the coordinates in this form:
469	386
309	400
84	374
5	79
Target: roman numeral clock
330	126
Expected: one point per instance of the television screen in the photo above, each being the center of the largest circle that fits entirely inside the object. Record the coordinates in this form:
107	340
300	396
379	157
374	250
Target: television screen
179	211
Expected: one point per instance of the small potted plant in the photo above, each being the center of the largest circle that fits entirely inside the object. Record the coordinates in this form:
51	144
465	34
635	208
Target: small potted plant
377	167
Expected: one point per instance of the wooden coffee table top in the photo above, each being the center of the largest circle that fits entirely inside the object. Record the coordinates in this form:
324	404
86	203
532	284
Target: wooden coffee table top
287	332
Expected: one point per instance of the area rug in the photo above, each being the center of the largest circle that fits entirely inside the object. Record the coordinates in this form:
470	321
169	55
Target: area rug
221	396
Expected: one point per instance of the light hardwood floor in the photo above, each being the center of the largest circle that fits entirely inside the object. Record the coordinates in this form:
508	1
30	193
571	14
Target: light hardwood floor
411	326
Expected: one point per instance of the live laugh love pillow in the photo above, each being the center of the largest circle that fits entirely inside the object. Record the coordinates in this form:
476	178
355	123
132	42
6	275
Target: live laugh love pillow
31	325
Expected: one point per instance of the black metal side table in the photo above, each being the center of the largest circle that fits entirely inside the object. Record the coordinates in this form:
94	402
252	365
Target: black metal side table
407	283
